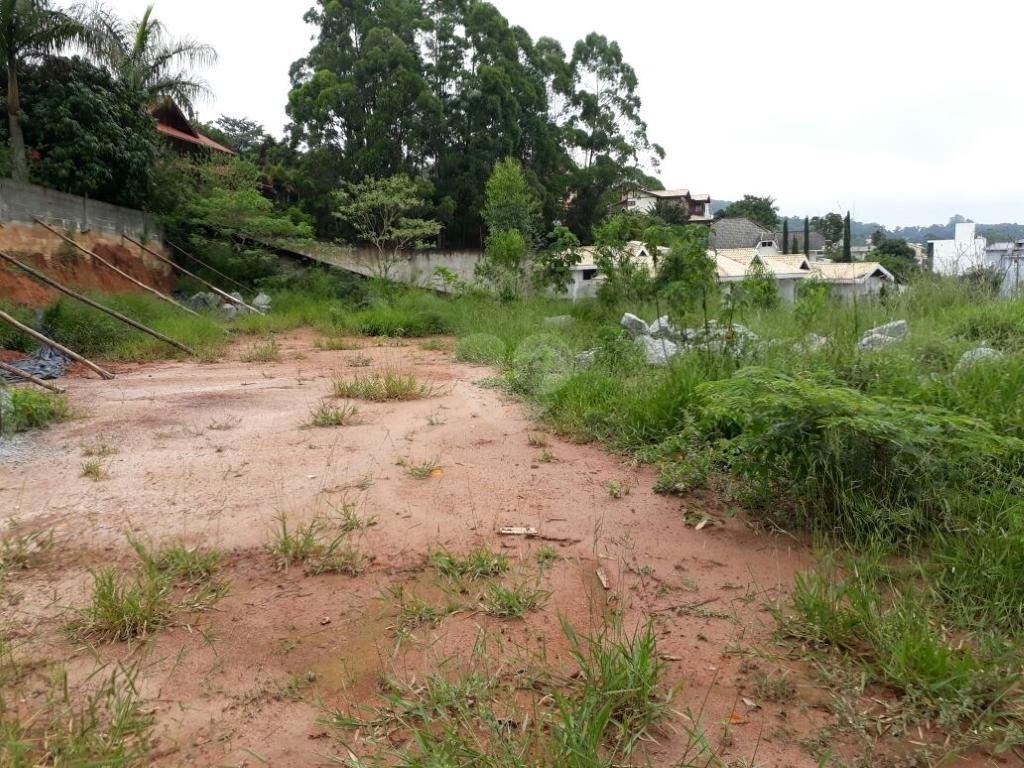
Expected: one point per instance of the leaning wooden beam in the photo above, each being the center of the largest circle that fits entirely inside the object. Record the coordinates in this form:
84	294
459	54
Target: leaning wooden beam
121	272
204	265
184	271
51	343
85	300
29	377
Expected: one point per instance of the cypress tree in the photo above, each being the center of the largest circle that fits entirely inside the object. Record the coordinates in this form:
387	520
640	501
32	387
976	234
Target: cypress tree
847	255
785	235
807	237
794	247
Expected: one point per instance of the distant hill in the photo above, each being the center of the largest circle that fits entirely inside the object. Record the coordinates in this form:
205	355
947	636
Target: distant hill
862	230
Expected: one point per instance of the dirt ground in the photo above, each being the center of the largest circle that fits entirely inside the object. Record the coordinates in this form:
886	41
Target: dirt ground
210	453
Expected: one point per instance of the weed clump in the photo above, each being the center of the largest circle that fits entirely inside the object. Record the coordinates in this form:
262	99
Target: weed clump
481	348
327	415
32	409
382	387
478	564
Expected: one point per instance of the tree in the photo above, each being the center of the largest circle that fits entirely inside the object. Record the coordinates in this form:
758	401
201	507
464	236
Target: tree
760	210
877	237
242	135
379	211
895	255
830	226
686	275
552	268
807	237
510	203
847	240
785	236
794	246
31	29
142	56
89	135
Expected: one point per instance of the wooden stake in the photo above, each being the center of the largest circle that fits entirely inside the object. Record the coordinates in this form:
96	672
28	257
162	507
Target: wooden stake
181	269
85	300
204	265
51	343
121	272
29	377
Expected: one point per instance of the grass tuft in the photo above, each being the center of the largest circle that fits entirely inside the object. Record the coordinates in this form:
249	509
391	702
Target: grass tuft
384	386
327	415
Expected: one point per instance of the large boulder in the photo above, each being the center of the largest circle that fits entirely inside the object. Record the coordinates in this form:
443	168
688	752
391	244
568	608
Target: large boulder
883	335
662	328
203	301
634	325
977	355
261	302
658	351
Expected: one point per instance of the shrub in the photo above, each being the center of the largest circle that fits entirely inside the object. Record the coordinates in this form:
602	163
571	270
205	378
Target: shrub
10	337
851	463
32	409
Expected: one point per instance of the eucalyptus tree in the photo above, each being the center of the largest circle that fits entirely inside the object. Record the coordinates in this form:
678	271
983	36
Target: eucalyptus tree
32	30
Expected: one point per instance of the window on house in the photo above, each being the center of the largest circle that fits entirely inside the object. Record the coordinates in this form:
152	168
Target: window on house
589	274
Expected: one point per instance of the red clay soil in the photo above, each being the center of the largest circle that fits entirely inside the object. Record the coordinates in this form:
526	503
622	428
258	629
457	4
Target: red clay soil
209	454
77	271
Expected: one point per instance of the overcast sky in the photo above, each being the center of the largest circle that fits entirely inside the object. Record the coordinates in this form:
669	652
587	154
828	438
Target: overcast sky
904	111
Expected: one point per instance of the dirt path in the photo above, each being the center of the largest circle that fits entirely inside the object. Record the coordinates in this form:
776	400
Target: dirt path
210	453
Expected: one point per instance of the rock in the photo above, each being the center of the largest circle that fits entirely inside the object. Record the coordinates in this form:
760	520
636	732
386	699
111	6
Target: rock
658	351
883	334
229	310
663	329
585	359
634	325
261	302
559	321
203	301
977	355
812	342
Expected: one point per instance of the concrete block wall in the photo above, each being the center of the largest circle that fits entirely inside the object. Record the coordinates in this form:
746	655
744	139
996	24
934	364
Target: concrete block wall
96	226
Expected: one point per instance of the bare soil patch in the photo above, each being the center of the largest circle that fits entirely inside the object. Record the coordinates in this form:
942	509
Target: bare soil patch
209	454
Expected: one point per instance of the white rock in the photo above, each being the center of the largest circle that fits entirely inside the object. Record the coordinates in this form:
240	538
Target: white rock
261	302
658	351
634	325
883	334
977	355
662	328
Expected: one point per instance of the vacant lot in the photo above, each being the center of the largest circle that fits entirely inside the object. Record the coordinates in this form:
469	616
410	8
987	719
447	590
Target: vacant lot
370	591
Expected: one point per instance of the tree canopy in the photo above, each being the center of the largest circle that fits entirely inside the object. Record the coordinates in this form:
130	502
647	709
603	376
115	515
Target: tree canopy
444	89
760	210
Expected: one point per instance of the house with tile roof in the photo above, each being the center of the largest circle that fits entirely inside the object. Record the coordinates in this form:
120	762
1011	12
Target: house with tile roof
177	129
642	200
733	265
855	278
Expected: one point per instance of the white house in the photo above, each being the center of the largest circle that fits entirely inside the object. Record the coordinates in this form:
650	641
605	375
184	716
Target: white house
858	278
735	264
1007	258
964	252
586	276
643	200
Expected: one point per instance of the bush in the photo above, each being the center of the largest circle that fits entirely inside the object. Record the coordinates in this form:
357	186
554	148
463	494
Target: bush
32	409
10	337
480	348
853	465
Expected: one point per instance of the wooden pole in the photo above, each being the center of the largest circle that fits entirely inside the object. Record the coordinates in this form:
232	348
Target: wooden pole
181	269
204	265
95	305
29	377
121	272
51	343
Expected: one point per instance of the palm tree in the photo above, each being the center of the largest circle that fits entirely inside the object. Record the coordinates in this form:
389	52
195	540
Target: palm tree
31	29
141	55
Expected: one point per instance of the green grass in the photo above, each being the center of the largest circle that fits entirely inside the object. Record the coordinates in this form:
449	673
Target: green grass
384	386
421	471
322	545
102	722
93	470
20	549
33	409
124	606
94	334
482	348
477	564
513	601
327	415
267	351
